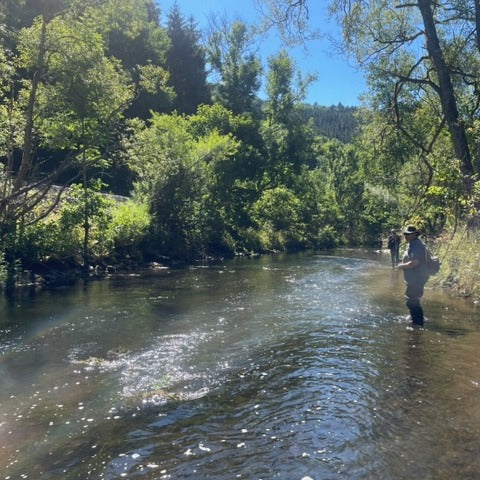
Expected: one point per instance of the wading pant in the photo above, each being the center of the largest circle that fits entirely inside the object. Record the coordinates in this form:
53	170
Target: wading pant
395	256
414	293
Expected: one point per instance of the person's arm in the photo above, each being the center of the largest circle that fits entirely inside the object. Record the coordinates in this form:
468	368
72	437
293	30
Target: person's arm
409	264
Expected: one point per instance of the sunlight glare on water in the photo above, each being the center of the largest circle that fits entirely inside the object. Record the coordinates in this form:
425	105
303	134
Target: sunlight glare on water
289	367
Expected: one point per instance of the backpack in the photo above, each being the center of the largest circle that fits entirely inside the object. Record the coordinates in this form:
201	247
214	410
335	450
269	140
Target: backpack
432	263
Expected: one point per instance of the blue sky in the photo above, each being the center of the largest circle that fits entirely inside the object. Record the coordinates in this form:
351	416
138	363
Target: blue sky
337	80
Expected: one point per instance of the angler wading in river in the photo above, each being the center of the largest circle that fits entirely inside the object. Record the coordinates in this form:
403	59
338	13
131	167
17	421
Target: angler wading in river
415	272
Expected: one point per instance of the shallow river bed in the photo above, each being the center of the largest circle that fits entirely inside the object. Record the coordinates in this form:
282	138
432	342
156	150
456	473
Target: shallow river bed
286	367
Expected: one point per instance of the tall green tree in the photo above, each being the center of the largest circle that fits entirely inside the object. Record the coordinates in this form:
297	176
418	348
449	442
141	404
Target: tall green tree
401	31
230	52
176	172
289	142
66	94
186	63
133	34
427	50
237	177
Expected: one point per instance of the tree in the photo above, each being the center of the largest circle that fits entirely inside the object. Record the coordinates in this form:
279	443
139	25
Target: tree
392	46
407	27
176	173
70	99
186	64
132	34
277	214
289	142
445	90
281	97
344	180
237	177
230	54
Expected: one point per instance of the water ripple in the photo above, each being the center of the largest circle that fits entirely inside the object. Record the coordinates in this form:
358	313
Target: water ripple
289	368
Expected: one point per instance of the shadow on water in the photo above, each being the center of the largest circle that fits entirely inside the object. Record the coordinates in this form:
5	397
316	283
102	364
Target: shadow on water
280	367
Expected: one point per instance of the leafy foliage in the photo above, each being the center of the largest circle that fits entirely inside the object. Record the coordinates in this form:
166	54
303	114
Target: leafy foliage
186	64
103	92
231	54
176	171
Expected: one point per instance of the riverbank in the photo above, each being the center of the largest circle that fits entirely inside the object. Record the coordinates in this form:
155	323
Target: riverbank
68	272
459	252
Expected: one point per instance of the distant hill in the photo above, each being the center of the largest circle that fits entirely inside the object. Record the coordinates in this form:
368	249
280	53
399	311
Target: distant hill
333	122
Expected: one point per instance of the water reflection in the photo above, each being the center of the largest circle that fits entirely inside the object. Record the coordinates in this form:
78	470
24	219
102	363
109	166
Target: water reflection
279	367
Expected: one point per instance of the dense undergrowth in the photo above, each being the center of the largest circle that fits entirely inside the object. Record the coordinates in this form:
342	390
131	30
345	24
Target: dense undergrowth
459	251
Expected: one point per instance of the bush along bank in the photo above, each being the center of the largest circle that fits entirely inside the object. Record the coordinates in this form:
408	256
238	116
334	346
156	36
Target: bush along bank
459	251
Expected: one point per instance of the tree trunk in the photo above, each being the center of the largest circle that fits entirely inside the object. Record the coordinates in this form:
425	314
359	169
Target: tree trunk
8	217
477	22
26	164
477	38
447	94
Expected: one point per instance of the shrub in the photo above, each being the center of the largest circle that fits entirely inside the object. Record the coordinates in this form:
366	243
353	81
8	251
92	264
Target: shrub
130	224
460	255
327	237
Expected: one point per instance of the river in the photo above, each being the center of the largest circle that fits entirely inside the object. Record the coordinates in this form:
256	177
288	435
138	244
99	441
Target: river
279	367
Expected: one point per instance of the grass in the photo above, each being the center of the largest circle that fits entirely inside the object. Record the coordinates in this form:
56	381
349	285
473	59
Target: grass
459	252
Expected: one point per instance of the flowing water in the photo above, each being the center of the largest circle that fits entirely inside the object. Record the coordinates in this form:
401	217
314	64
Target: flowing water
283	367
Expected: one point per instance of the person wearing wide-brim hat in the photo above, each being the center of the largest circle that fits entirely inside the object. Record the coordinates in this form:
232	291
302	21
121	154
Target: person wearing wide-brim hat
414	272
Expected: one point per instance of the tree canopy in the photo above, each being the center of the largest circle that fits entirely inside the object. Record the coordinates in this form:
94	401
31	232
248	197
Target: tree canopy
217	153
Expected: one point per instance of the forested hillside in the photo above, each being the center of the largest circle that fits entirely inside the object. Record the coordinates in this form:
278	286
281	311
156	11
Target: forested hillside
121	97
335	121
